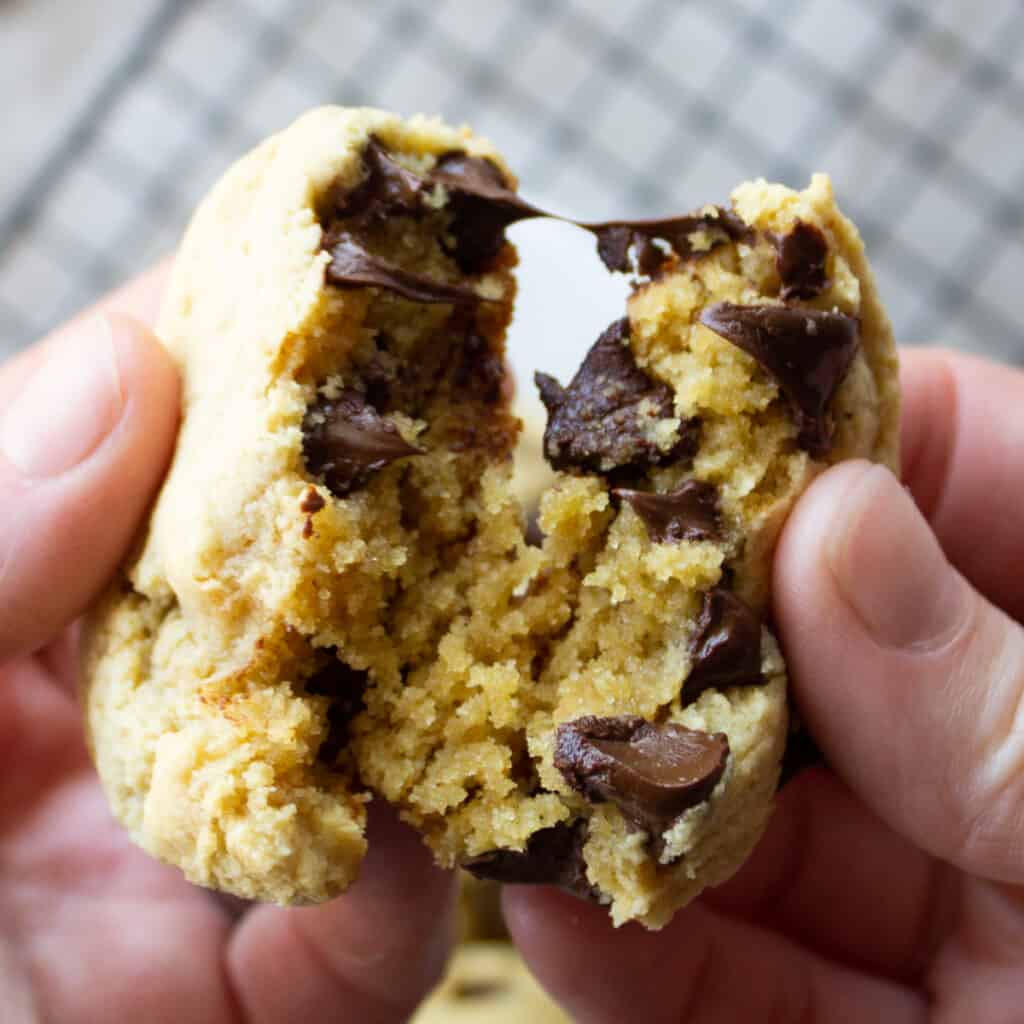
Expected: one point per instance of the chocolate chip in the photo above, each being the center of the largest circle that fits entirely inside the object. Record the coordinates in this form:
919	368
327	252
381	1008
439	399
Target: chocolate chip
482	206
690	512
386	186
603	420
651	772
553	856
351	266
346	687
726	648
311	501
346	441
800	256
614	239
479	198
807	351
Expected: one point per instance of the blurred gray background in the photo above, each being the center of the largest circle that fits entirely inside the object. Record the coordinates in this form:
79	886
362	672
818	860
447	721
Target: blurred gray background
118	114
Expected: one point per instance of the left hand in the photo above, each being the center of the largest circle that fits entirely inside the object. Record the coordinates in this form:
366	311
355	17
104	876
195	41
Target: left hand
91	928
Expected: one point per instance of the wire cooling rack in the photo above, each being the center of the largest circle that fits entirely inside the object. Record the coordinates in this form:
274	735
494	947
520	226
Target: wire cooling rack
624	107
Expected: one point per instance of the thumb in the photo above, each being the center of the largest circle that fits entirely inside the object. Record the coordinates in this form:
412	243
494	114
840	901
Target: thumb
910	680
87	424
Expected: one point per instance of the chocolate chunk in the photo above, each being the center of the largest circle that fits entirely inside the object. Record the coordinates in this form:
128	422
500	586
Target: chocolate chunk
651	772
479	198
688	513
807	351
614	239
346	441
726	648
800	259
553	856
386	186
352	266
482	206
346	687
603	420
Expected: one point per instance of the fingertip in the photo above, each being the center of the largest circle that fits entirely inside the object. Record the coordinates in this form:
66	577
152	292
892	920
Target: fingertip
149	376
85	440
800	569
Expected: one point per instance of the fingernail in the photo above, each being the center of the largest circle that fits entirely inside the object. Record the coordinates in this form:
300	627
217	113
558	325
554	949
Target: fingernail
68	405
890	567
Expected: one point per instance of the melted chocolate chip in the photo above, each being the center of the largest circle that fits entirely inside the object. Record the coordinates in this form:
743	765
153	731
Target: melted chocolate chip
345	686
690	512
553	856
346	441
800	257
482	207
603	420
386	186
352	266
807	351
651	772
726	648
614	239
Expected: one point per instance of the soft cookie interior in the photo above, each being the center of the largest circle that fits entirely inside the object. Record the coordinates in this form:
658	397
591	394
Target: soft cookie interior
357	609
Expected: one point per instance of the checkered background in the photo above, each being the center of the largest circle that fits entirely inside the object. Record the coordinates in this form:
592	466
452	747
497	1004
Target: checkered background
604	107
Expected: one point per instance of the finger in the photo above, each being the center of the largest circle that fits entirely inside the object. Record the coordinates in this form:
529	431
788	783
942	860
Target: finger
370	955
911	681
84	440
703	967
963	459
818	876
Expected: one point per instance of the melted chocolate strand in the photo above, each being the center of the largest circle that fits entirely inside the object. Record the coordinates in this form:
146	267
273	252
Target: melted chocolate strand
807	352
346	441
483	205
614	239
800	257
553	856
652	773
352	266
602	421
688	513
726	648
345	686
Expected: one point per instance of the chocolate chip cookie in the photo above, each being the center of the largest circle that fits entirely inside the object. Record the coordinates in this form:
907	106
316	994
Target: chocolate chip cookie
336	597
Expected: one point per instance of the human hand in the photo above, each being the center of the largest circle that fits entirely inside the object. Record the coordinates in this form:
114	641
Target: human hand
888	887
92	929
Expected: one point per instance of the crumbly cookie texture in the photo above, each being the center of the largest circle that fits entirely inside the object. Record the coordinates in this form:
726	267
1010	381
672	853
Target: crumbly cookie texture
335	596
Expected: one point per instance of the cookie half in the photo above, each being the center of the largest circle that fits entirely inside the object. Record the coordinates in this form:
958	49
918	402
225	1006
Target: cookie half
335	595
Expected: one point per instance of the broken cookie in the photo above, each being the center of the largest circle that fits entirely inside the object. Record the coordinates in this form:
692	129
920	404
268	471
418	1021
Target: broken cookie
335	600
